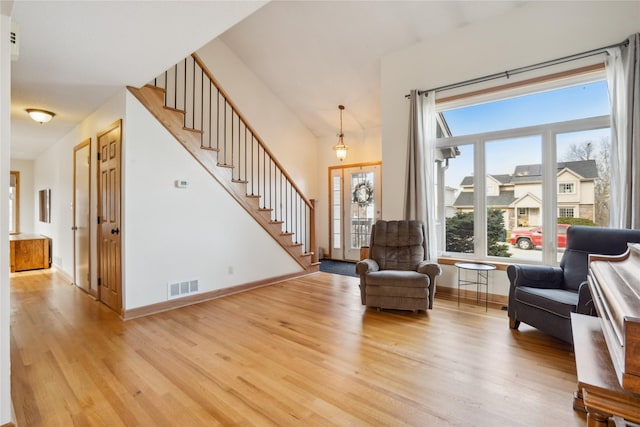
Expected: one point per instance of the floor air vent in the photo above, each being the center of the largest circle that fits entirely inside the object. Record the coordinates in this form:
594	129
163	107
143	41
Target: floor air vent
181	289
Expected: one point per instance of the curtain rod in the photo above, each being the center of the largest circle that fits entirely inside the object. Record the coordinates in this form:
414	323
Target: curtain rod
520	70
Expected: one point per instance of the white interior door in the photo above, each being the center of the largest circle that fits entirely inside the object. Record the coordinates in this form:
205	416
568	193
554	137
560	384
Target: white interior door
355	206
81	198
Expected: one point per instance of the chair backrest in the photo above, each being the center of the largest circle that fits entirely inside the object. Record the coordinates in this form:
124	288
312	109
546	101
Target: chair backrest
397	245
582	241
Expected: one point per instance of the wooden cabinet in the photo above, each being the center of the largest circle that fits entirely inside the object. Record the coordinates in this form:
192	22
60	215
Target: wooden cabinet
28	252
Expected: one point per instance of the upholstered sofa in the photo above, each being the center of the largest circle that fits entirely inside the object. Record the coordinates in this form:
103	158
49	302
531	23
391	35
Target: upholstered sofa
396	274
544	297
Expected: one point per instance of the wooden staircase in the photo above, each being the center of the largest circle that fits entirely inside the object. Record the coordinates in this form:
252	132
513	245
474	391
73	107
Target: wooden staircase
278	224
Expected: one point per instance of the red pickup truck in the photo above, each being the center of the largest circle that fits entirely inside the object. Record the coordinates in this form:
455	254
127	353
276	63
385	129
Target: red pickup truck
529	238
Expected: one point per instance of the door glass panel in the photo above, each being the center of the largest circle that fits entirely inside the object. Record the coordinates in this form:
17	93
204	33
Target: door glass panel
362	208
336	206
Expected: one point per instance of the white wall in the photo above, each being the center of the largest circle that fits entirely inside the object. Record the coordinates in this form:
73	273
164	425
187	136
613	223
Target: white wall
304	156
5	154
172	234
534	32
364	147
54	169
27	196
287	138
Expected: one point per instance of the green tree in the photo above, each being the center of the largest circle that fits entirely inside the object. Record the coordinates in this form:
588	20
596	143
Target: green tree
496	234
460	233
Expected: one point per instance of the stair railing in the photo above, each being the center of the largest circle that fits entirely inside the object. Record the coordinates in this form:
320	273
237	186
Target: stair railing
190	87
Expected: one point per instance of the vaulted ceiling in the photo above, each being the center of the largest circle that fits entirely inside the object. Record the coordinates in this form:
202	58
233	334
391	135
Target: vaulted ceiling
314	55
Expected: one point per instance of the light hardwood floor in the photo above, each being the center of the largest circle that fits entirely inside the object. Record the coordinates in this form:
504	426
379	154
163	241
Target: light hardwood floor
303	352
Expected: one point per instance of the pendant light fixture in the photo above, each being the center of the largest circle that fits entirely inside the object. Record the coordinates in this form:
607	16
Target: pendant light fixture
340	148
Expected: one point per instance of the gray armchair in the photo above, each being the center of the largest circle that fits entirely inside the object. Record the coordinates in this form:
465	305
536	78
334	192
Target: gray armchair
544	297
396	274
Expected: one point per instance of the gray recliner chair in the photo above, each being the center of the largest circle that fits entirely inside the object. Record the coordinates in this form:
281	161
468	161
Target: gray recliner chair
544	297
396	274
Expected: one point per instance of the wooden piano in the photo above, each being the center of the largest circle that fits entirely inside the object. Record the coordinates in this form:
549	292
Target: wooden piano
607	347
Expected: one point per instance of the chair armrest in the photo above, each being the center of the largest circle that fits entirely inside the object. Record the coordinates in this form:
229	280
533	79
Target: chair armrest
366	266
585	300
535	276
430	268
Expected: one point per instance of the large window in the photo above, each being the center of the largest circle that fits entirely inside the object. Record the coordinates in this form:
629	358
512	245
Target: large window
539	160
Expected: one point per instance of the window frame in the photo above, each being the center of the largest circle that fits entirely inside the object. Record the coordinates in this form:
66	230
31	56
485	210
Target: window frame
548	134
567	183
573	211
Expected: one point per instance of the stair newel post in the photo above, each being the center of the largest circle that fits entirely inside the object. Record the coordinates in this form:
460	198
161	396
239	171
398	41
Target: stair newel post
312	231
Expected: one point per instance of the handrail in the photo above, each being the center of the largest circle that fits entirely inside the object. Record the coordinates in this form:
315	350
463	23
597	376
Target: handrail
190	88
249	127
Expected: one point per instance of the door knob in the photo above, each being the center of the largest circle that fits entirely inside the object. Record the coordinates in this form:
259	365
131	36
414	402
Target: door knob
115	231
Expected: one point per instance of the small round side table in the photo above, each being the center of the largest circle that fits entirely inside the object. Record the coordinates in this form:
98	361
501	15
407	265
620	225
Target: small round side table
482	279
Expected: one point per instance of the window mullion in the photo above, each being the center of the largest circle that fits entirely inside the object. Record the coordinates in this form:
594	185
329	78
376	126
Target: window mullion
480	200
549	197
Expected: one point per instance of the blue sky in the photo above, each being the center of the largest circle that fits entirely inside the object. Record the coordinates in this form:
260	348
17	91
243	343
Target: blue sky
587	100
577	102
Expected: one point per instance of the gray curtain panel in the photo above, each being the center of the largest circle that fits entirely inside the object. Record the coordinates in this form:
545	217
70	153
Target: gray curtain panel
420	189
623	78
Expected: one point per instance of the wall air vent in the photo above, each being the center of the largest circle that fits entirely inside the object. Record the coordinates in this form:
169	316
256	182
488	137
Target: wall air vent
182	288
15	41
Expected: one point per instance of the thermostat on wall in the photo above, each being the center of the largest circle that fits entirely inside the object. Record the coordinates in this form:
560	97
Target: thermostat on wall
182	183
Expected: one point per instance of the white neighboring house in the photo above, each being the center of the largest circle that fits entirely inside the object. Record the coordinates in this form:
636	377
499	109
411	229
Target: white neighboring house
519	195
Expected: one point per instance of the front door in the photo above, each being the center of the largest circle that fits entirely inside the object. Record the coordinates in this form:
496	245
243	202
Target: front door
110	227
81	179
356	204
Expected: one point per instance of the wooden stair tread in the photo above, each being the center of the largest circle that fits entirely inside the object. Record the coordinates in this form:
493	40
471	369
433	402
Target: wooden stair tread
193	130
240	181
175	110
156	88
225	165
210	149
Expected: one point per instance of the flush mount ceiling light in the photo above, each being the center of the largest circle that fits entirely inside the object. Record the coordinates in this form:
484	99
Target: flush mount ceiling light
40	116
341	149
